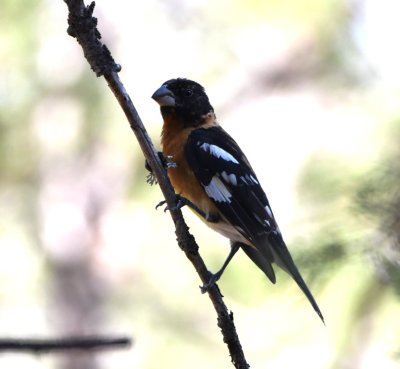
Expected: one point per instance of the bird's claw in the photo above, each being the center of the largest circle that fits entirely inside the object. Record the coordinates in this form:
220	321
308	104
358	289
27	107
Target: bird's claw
211	282
179	203
151	179
167	162
161	203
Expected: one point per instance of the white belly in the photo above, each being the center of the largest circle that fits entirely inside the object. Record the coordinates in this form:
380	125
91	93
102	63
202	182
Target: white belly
224	228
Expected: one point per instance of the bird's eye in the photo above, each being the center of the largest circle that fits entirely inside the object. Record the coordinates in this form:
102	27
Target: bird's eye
188	92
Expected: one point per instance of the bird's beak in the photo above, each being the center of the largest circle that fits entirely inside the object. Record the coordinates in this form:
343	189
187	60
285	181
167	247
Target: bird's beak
164	96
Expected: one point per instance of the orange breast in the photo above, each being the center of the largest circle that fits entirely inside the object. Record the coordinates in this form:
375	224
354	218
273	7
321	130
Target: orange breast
182	178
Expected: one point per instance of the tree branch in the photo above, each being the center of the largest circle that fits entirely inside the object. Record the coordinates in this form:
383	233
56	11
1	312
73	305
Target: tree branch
82	26
40	346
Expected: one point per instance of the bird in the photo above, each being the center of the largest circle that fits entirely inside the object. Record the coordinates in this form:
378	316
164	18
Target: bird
212	176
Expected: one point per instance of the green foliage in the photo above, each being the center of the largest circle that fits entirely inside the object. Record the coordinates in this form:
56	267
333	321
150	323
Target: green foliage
378	200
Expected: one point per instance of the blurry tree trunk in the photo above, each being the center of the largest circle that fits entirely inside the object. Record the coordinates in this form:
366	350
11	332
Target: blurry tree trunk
71	204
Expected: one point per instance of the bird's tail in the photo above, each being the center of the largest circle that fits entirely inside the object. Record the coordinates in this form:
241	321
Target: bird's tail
285	261
260	260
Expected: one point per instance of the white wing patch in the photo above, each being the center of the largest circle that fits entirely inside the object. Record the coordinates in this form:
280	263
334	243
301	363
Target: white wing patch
217	190
218	152
269	211
230	178
253	179
249	179
265	221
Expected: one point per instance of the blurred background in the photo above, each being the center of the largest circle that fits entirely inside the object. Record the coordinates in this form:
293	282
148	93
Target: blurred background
310	90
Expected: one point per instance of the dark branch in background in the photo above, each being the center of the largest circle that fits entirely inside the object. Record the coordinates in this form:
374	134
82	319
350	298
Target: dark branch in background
82	26
40	346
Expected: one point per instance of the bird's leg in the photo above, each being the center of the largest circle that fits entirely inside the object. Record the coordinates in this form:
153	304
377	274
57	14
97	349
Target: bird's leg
216	276
181	201
167	163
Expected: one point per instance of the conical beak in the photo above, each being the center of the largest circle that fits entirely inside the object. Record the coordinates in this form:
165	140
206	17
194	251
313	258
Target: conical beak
164	96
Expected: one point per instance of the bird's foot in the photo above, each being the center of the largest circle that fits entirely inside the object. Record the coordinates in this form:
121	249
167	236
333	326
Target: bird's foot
216	276
167	162
151	179
179	203
211	282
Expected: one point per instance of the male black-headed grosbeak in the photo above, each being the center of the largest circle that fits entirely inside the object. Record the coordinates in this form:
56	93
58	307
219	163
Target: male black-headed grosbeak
213	177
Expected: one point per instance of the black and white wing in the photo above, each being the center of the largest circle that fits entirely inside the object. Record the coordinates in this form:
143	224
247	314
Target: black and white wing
228	179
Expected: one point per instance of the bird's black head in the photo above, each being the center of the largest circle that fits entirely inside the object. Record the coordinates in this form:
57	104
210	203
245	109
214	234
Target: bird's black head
186	100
